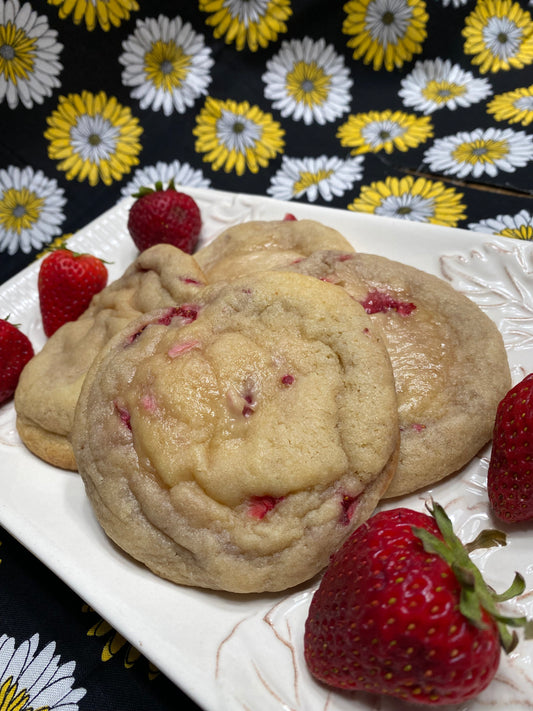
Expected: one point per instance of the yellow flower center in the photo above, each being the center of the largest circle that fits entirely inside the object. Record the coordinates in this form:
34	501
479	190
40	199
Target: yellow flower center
308	83
16	53
10	700
480	151
442	91
307	178
523	232
167	65
19	210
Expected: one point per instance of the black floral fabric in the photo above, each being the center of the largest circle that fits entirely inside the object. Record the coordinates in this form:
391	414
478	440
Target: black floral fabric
415	109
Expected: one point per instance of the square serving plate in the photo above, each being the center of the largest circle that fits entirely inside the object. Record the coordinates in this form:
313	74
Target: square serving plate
245	653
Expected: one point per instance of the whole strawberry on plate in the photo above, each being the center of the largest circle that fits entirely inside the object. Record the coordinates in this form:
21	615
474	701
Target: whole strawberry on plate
403	611
15	351
67	282
164	215
510	474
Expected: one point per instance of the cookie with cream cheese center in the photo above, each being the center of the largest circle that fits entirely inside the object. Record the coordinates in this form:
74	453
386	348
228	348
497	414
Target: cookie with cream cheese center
235	446
448	357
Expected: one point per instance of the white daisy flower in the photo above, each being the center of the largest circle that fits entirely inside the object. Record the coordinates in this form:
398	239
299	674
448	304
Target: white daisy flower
455	3
36	680
30	209
436	83
29	55
308	81
167	63
519	226
480	152
180	173
315	177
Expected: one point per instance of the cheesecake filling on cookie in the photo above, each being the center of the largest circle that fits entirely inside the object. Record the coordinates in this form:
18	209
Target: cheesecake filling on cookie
236	450
448	358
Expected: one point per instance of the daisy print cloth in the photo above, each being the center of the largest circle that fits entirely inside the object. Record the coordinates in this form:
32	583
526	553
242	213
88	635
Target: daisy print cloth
406	108
419	110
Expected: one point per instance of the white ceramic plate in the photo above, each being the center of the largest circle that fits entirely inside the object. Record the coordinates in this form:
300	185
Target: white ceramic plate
232	653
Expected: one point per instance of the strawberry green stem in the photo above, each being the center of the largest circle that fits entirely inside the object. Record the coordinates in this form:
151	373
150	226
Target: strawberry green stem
158	186
476	595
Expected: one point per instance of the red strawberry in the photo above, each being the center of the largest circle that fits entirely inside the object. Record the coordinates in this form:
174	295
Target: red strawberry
67	283
15	351
403	611
510	475
167	216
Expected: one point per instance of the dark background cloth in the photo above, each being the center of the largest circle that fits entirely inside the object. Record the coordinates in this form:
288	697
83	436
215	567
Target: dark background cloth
32	600
90	61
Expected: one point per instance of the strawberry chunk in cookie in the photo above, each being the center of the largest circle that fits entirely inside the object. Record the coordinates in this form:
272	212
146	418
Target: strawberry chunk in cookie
247	454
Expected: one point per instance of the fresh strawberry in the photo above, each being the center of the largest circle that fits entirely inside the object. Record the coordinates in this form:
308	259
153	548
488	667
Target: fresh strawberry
167	216
403	611
67	283
15	351
510	475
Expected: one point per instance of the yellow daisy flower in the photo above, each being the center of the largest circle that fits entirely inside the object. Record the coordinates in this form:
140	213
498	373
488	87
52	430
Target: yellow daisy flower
237	136
499	35
384	130
58	243
407	198
114	643
514	106
252	23
386	33
523	232
94	137
103	12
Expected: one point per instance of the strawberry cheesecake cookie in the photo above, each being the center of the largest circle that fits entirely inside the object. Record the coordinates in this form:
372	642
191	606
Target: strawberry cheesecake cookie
263	245
50	383
235	443
448	358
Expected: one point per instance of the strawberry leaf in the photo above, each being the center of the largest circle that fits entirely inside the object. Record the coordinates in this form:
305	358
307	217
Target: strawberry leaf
517	587
489	538
476	595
